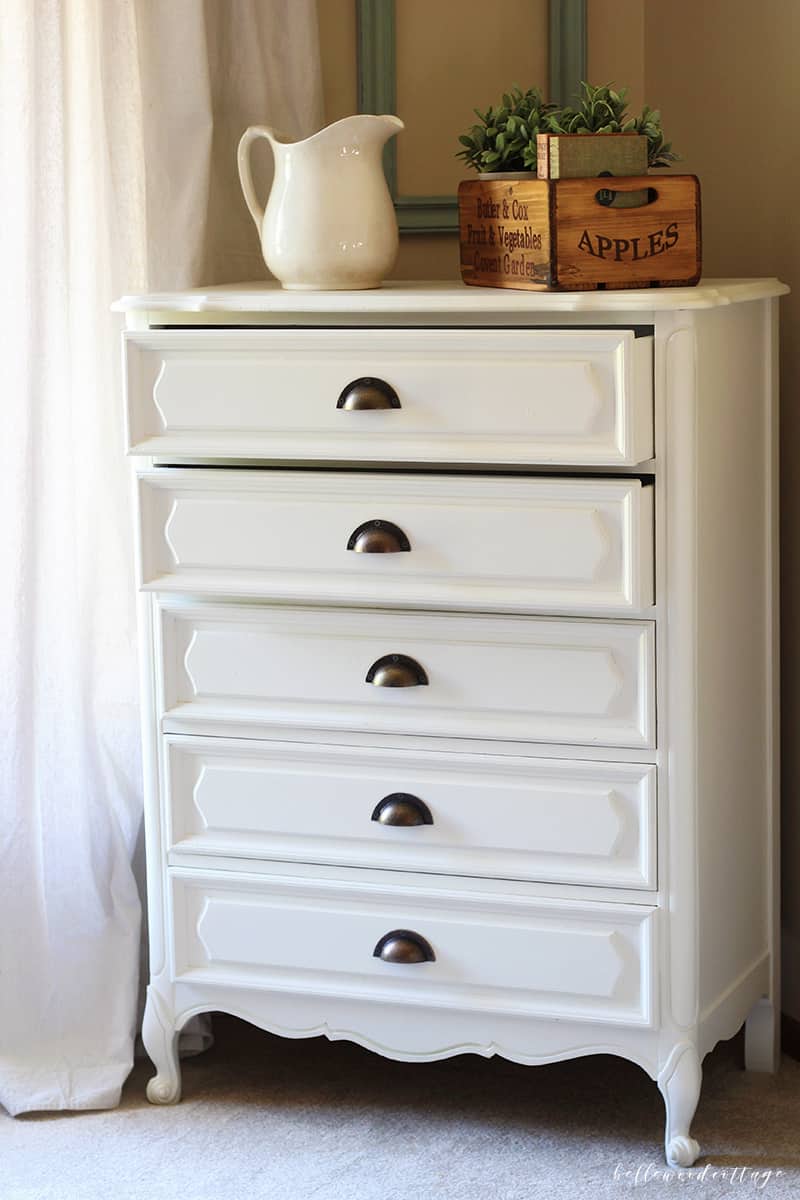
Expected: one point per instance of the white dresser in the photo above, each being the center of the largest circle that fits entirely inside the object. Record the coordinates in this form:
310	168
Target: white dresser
458	642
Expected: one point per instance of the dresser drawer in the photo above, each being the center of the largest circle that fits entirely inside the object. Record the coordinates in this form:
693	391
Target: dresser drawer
492	953
524	544
547	820
517	678
517	396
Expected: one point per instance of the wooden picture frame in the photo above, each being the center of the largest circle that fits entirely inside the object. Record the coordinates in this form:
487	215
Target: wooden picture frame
377	76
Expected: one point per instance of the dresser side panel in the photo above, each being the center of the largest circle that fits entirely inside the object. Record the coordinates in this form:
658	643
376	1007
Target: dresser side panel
735	714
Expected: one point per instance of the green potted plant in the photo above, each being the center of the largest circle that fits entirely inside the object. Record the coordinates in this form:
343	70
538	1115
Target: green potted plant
602	110
499	146
507	143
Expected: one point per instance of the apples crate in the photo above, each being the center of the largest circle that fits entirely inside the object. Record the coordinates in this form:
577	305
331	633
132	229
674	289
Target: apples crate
581	234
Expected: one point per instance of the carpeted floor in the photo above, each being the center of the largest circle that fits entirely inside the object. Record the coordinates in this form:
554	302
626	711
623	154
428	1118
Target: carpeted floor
267	1118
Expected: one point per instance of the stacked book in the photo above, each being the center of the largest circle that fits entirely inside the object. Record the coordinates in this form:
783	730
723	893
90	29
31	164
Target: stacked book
587	155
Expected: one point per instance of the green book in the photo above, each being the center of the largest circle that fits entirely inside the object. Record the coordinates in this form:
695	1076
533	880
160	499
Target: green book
585	155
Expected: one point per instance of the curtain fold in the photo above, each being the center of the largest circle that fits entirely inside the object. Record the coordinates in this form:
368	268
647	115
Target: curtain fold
118	129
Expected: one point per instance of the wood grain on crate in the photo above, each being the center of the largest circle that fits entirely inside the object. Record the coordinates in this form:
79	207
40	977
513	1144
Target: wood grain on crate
655	244
505	232
579	234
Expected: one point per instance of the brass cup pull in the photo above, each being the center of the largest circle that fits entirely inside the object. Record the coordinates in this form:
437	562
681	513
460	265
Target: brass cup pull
404	946
365	393
402	809
378	537
396	671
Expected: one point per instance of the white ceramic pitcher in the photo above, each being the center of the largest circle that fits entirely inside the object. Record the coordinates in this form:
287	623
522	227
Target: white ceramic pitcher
330	222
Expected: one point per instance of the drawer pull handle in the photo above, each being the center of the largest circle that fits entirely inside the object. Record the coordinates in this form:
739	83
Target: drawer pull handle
396	671
378	537
404	946
366	393
402	809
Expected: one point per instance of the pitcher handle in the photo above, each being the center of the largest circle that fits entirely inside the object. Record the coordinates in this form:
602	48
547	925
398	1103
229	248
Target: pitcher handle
245	174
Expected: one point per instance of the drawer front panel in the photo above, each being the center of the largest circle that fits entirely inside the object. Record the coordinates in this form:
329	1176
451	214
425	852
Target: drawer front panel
516	678
544	820
565	544
492	396
535	957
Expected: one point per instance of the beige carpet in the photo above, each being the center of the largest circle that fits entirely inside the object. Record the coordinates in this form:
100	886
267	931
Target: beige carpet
290	1120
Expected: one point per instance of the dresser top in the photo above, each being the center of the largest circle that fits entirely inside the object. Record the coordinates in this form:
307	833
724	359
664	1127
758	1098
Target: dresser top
434	297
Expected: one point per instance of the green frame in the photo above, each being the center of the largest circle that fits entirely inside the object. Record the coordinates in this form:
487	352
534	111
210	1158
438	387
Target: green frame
377	76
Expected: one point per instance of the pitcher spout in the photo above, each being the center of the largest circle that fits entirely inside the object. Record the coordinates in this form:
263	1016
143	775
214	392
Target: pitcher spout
363	129
391	125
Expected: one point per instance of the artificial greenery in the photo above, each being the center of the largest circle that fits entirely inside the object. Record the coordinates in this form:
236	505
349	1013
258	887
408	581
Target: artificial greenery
600	110
659	152
506	138
506	132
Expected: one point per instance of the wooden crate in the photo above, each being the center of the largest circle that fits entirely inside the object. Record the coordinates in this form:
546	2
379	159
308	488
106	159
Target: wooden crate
580	234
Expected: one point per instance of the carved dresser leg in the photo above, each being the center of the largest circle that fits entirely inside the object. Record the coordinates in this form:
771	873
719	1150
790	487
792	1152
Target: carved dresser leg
761	1038
161	1043
679	1083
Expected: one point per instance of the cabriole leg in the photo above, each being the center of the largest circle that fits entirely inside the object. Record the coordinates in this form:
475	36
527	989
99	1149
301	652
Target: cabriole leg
680	1083
160	1039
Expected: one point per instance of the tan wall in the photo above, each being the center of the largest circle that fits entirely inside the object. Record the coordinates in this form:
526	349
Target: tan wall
723	73
452	58
615	43
337	35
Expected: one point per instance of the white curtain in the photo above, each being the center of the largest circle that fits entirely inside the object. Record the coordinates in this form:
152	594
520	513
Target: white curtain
118	129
